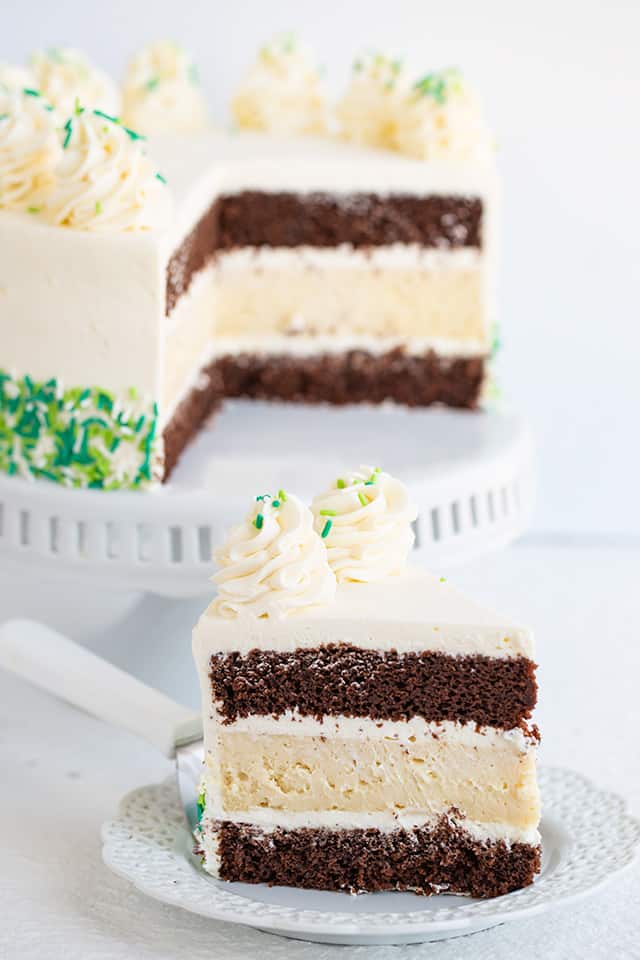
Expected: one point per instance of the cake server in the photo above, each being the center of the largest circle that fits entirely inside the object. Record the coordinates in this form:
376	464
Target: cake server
63	668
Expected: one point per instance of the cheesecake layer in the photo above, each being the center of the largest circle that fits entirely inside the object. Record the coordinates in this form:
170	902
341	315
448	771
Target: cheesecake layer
433	859
352	299
328	680
490	780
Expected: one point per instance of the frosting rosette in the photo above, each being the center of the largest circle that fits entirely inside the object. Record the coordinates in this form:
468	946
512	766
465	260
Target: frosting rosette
442	117
283	92
15	77
65	76
104	180
365	520
274	564
162	93
29	150
368	112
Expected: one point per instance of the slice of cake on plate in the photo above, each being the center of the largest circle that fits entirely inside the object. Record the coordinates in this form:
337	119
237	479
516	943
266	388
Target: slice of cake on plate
365	724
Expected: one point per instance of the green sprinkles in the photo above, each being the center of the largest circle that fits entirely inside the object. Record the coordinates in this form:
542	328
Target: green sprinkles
328	513
160	178
152	84
68	127
31	93
98	208
340	484
34	209
72	437
259	520
282	496
363	500
275	503
105	116
326	529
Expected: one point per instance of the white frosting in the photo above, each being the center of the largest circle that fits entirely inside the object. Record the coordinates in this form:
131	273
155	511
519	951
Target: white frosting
365	517
293	724
442	118
29	151
415	611
161	93
273	564
282	92
268	820
15	77
368	111
393	256
104	180
65	76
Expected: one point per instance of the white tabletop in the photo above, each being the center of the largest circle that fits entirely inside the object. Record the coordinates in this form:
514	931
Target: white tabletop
65	772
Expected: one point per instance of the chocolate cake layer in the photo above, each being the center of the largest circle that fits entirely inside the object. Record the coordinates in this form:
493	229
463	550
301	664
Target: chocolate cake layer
254	219
356	377
192	255
337	378
341	679
205	397
426	859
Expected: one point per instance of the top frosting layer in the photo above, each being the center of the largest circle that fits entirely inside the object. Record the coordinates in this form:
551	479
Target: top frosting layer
273	564
365	519
161	92
282	92
104	180
65	76
29	150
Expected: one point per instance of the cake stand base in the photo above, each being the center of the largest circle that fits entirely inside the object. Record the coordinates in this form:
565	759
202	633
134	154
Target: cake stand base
470	475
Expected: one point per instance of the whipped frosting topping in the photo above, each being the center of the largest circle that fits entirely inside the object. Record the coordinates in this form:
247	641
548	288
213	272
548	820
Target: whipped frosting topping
368	112
442	117
104	180
161	92
29	150
283	92
15	77
273	564
65	76
365	520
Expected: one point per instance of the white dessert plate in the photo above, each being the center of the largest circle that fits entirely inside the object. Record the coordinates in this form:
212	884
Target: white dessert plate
587	839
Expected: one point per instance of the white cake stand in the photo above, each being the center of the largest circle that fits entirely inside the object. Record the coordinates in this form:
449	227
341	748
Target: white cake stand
470	475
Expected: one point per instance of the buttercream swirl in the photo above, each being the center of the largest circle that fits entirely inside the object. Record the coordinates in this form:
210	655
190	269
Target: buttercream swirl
15	77
104	180
65	76
29	150
162	93
274	564
283	92
365	519
442	117
368	112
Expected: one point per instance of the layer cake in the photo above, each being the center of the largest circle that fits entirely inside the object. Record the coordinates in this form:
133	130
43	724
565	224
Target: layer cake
143	281
366	726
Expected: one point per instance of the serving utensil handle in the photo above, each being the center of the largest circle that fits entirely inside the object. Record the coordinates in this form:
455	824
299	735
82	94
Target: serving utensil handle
56	664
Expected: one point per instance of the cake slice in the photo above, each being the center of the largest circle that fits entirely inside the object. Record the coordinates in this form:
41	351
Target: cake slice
365	724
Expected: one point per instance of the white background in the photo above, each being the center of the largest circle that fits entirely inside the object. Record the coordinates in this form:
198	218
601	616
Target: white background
562	85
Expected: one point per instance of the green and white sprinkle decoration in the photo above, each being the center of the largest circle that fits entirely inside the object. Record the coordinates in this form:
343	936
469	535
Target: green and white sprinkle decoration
77	436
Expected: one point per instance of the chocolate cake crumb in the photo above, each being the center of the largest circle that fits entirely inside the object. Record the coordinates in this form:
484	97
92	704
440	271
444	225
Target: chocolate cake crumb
341	679
427	860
